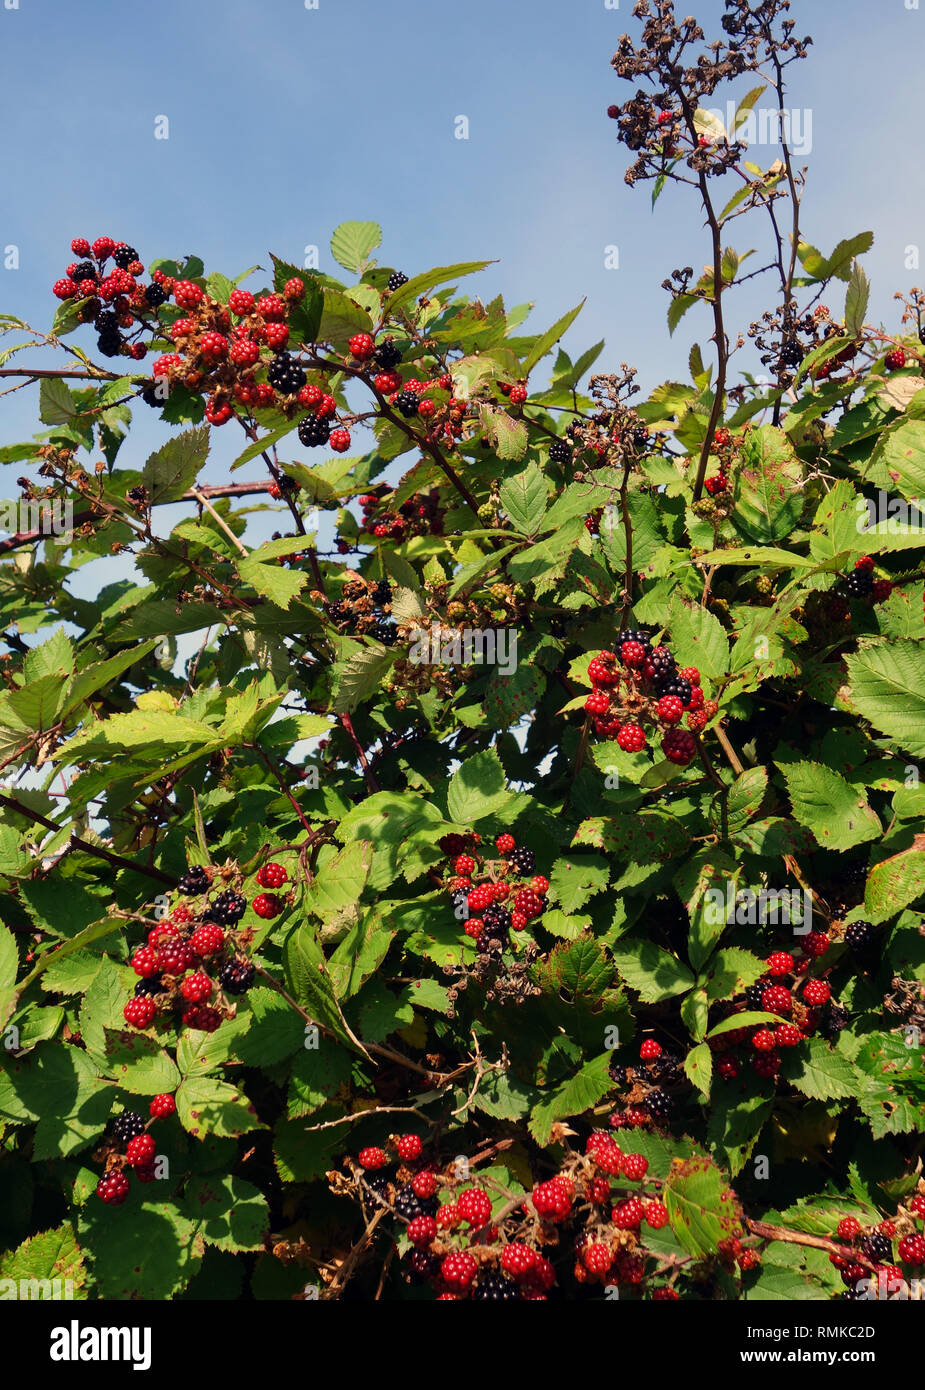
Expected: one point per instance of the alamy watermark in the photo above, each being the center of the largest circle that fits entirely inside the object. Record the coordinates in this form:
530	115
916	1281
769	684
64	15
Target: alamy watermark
48	516
768	126
443	646
769	906
889	516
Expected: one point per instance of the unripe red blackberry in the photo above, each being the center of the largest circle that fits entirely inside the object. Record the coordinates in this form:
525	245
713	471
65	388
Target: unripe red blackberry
140	1150
517	1259
458	1270
207	939
422	1231
776	1000
113	1188
815	992
162	1107
634	1167
174	956
196	987
372	1158
202	1017
139	1011
628	1214
267	905
912	1249
655	1214
474	1206
145	962
271	875
631	738
780	963
409	1147
679	746
650	1049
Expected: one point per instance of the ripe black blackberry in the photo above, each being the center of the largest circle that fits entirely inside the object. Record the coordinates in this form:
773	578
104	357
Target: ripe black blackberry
858	584
385	632
155	295
194	881
379	1184
236	976
408	402
860	936
878	1248
523	860
383	592
666	1067
617	1074
425	1267
791	353
640	437
497	919
494	1287
314	431
833	1019
109	344
679	687
658	1104
664	667
285	375
922	335
229	907
408	1204
559	451
397	279
753	996
85	270
124	255
387	355
107	322
127	1126
152	985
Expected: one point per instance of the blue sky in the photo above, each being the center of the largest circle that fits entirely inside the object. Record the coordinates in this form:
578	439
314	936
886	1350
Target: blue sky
285	121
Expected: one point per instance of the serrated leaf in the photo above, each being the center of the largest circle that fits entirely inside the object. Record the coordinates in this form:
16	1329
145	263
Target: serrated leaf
838	814
352	242
578	1094
818	1071
309	978
547	341
654	974
478	789
524	499
171	470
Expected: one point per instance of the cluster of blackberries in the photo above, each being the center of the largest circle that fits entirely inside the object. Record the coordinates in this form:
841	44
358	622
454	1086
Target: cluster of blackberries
646	1101
654	688
559	451
860	582
397	279
481	905
364	608
419	515
287	376
89	281
130	1132
191	953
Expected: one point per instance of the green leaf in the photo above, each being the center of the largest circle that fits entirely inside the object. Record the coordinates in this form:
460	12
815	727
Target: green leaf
578	1094
893	883
206	1106
698	1066
341	318
359	676
698	639
902	454
360	954
478	789
524	499
547	341
768	489
576	878
49	1255
226	1212
150	1255
56	404
856	300
309	978
820	1072
340	880
173	469
138	1063
428	280
352	242
887	686
652	972
701	1208
838	814
274	582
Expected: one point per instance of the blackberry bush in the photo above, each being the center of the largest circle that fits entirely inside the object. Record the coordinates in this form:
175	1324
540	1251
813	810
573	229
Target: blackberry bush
342	951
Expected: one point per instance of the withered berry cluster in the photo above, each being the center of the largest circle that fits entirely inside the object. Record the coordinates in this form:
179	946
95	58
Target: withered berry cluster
364	607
